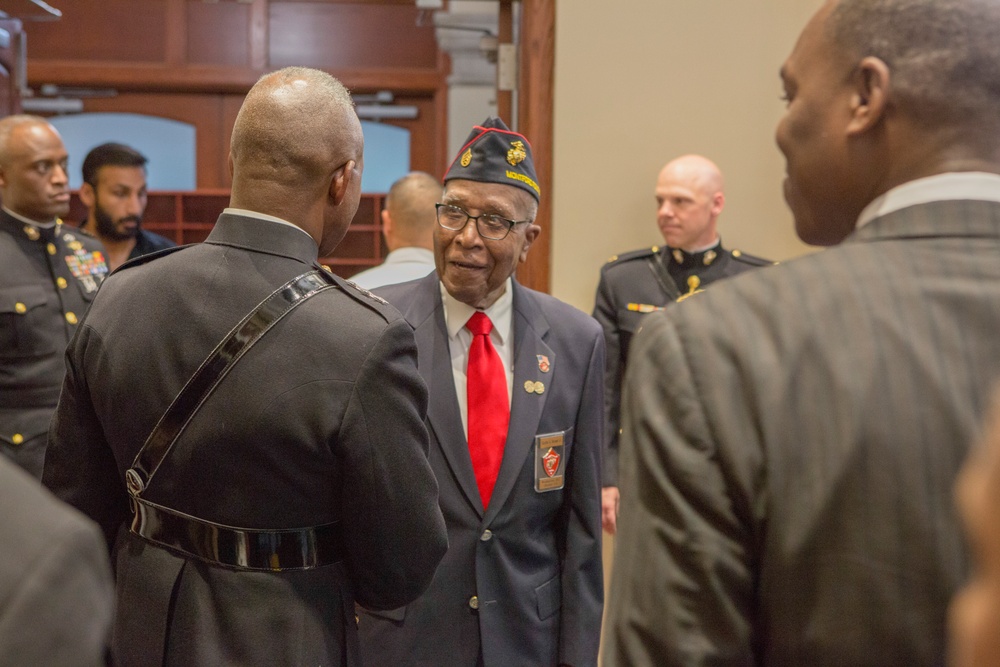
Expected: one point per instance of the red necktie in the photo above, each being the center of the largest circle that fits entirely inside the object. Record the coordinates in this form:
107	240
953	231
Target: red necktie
489	407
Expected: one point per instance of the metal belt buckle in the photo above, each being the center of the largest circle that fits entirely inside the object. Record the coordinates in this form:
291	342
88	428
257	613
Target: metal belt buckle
134	482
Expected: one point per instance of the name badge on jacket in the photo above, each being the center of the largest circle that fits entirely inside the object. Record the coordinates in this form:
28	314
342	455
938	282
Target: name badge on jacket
550	461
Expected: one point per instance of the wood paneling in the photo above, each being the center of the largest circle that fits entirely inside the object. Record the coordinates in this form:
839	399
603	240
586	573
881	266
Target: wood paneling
104	30
335	36
218	34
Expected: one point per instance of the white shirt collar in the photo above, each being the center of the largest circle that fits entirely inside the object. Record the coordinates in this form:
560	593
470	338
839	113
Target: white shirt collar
974	185
263	216
456	313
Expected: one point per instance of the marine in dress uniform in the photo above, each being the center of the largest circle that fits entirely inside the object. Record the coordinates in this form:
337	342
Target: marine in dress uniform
634	284
250	515
49	275
521	583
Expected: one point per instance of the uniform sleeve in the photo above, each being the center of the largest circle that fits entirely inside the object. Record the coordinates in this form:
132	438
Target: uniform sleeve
61	611
606	314
682	588
393	527
80	467
582	569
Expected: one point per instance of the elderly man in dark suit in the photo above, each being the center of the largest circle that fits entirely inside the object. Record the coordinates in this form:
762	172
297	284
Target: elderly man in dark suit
515	417
273	455
791	438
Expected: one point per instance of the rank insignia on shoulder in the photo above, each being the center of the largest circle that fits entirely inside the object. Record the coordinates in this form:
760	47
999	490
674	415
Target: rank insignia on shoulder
643	307
368	294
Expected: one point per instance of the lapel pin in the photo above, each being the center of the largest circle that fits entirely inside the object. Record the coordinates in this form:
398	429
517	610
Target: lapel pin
543	363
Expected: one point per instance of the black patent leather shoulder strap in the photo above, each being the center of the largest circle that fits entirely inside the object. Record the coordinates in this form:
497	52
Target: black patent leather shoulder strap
215	367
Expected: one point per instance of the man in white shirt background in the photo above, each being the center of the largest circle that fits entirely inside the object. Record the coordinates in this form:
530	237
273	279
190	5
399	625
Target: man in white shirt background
408	225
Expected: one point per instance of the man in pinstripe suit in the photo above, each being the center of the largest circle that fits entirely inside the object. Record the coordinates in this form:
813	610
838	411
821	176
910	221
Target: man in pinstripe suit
791	439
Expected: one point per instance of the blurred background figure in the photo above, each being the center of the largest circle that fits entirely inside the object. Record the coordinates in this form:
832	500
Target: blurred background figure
408	222
114	192
975	611
49	274
689	200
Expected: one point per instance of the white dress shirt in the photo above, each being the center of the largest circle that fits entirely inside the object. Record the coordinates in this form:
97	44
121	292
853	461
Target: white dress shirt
456	314
400	266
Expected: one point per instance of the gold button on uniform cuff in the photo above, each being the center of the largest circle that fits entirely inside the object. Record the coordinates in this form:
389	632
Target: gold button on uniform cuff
17	439
71	318
20	308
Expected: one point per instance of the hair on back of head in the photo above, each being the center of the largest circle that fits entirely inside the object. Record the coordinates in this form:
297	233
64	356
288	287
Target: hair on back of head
943	55
110	155
296	123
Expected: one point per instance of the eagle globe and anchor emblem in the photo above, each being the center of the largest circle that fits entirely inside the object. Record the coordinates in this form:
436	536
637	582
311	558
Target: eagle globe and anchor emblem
550	462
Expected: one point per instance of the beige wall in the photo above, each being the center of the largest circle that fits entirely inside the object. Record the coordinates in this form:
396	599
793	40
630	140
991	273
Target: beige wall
639	82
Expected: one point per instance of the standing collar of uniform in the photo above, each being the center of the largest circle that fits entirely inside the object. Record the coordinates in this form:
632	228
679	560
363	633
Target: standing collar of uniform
714	245
18	216
456	313
264	216
967	185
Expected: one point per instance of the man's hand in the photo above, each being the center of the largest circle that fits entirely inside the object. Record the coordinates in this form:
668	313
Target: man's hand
609	509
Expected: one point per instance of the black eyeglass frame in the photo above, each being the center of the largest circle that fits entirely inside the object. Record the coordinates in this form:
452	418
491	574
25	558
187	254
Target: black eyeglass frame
499	218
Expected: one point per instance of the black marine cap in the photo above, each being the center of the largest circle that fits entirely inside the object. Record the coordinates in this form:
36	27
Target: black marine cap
493	153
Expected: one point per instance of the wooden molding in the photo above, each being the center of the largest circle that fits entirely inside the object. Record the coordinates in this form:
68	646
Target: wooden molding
535	97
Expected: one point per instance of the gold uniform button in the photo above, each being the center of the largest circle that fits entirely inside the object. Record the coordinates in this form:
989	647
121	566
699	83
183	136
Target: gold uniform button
51	248
474	602
486	536
71	318
61	282
17	439
20	308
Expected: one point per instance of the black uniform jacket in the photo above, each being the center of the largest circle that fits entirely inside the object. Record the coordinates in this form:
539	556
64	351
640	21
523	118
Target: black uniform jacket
321	421
642	282
48	277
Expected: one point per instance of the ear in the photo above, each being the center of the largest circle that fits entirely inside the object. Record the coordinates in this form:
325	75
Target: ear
340	185
87	197
530	234
718	201
386	222
871	95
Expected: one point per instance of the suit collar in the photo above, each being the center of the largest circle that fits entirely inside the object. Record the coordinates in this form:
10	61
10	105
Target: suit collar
952	186
956	218
261	235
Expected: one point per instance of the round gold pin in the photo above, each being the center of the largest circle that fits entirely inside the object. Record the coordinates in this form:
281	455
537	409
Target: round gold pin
529	386
539	388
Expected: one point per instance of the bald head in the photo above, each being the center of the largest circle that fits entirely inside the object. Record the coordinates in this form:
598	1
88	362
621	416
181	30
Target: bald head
943	55
409	217
689	199
296	153
33	179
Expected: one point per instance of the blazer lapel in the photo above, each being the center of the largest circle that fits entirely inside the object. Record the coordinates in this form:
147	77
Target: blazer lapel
530	328
426	315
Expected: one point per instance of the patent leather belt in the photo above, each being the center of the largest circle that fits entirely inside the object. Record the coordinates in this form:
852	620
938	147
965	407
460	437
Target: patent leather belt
238	548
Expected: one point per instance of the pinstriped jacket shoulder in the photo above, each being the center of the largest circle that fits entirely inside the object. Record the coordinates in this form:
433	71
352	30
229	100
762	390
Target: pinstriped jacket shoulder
797	434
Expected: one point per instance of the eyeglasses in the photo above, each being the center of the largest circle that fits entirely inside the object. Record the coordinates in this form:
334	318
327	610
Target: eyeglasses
489	226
